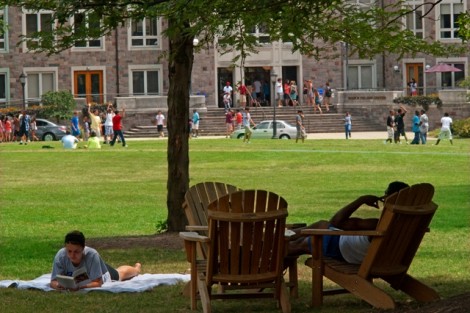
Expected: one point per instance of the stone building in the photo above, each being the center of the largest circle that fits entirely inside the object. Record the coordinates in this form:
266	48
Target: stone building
126	67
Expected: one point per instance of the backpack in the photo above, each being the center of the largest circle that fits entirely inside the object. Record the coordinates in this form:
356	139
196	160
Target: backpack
328	92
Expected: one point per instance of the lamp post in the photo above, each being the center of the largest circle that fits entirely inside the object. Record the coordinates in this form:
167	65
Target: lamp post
23	83
273	101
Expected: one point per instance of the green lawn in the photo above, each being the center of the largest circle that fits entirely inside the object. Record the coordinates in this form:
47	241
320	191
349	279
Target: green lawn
45	193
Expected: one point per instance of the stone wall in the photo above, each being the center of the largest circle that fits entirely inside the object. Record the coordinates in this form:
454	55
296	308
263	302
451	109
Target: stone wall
376	106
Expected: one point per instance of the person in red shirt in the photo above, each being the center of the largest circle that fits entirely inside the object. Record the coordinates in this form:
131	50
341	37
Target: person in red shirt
286	92
239	119
242	90
117	128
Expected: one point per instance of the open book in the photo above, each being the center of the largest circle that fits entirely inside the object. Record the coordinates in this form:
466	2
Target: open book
79	278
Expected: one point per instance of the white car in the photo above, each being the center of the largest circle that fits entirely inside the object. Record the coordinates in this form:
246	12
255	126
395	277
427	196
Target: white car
264	130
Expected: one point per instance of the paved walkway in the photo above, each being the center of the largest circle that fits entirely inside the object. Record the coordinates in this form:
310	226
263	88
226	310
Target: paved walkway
358	135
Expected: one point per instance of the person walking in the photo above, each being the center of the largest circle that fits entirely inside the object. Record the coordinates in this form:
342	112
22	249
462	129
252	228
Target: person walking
160	121
228	123
327	96
446	132
279	92
423	127
415	128
400	125
74	123
316	101
196	120
117	128
247	122
347	125
390	127
25	124
299	124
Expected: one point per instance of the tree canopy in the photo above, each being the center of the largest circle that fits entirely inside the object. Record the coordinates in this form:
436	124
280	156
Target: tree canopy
312	26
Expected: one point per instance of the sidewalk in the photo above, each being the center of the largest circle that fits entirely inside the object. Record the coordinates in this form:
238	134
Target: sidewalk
314	136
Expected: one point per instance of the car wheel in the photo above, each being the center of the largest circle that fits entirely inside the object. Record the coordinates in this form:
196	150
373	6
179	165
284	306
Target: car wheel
48	137
284	137
240	136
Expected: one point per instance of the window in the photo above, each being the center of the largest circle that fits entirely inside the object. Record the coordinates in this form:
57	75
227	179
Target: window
449	13
414	20
261	32
4	33
361	76
3	87
38	83
86	25
35	22
452	79
145	33
145	81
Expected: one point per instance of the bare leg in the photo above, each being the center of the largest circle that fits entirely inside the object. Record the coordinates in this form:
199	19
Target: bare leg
127	272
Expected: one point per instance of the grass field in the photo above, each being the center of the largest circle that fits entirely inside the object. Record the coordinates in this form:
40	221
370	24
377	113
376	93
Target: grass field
113	192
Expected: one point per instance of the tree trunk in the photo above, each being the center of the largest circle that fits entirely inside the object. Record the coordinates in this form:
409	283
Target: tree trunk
180	67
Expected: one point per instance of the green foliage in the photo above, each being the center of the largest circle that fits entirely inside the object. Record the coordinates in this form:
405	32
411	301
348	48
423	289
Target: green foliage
423	101
461	128
466	84
161	226
59	104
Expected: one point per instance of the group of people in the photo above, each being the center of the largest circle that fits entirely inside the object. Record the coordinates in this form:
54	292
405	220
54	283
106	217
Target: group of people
419	127
193	124
18	128
94	125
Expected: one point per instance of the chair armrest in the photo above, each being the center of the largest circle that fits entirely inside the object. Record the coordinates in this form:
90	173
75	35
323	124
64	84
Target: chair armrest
192	236
295	225
196	228
330	232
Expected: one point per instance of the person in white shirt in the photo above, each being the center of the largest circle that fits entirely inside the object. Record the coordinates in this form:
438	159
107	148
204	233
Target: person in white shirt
351	249
446	133
108	124
160	121
279	92
69	141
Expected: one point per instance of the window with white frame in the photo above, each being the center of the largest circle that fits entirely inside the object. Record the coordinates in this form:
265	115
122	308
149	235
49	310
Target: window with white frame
145	33
361	76
39	83
262	33
448	15
4	33
414	19
452	79
35	22
3	87
84	24
145	81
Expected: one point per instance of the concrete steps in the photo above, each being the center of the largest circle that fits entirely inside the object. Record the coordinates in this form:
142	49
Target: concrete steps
213	121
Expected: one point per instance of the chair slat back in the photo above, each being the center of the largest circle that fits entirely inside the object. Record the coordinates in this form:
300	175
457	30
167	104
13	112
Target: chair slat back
405	219
197	198
246	229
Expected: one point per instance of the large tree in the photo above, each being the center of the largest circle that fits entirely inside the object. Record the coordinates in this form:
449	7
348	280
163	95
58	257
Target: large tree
312	26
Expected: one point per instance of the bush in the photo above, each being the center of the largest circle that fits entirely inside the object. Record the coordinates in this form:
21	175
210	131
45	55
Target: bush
58	104
461	128
423	101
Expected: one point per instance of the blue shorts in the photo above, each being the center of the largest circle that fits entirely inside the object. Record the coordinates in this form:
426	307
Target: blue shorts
330	246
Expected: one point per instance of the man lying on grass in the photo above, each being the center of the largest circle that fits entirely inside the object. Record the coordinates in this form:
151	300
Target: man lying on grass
75	257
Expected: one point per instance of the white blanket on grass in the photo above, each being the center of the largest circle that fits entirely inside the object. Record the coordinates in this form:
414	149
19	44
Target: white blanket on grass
139	283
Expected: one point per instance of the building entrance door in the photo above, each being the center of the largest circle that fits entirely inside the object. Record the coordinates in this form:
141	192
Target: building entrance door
89	85
415	70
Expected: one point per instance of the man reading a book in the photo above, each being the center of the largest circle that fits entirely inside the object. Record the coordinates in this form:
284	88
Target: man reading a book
85	265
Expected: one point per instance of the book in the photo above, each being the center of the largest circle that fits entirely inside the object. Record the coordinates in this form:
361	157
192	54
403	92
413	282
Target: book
79	278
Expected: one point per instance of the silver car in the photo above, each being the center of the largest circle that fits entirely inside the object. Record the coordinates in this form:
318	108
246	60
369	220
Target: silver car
49	131
264	130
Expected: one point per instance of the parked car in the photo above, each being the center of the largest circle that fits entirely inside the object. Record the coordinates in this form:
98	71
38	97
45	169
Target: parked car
264	130
49	131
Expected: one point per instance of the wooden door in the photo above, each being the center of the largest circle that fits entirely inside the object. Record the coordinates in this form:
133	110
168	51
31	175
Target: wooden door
89	85
415	70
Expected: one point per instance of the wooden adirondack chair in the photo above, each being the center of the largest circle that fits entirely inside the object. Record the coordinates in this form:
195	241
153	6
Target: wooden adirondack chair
404	221
196	201
245	248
